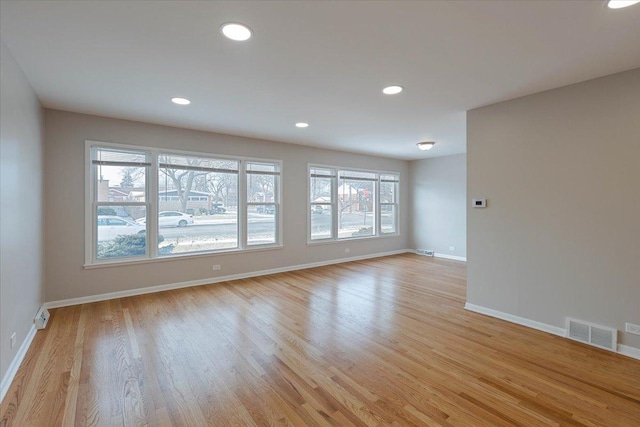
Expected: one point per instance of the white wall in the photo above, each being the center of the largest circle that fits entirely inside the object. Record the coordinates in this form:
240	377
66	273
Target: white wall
21	207
64	195
438	204
561	234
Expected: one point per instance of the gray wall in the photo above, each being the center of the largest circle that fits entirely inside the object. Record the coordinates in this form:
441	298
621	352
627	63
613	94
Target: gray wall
561	234
21	246
438	204
64	196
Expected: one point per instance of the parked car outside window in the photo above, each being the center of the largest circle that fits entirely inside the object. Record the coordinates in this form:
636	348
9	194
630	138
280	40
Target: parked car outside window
110	227
266	209
217	208
171	219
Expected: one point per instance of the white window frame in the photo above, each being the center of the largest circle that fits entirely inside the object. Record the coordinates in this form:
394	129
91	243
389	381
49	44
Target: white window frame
334	203
151	202
91	203
395	203
277	200
336	170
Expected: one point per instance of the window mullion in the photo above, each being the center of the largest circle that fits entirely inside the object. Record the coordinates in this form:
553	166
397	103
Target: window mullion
242	206
377	206
153	184
90	207
335	205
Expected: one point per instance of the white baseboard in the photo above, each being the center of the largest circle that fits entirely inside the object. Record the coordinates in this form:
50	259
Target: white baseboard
622	349
15	363
516	319
170	286
629	351
439	255
454	257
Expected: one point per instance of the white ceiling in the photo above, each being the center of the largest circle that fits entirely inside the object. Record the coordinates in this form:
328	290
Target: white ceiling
321	62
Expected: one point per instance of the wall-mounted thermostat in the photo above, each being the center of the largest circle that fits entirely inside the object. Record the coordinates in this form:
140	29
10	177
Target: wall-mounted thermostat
479	203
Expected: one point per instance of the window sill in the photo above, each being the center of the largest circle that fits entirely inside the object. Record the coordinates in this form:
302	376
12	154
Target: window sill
350	239
180	257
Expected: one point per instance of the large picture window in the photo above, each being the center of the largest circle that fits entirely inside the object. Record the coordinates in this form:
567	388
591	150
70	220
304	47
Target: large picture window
150	203
357	204
347	204
197	203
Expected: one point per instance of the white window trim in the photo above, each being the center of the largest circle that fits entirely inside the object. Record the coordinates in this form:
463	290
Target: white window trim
396	204
151	184
91	227
277	196
334	205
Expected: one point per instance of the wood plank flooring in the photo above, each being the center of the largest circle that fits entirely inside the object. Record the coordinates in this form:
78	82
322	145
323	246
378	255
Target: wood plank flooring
382	342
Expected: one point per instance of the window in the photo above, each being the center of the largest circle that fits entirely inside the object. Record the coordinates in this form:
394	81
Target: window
346	204
263	202
322	201
113	222
356	204
388	203
187	187
146	203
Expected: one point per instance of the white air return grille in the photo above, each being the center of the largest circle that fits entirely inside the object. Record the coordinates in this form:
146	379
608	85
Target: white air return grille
596	335
425	252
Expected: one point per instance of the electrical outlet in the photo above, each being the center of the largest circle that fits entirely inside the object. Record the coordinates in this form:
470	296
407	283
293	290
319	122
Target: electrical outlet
632	329
216	267
12	340
347	250
452	248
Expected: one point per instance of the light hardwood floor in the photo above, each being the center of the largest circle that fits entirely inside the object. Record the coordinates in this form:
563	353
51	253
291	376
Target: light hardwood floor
376	342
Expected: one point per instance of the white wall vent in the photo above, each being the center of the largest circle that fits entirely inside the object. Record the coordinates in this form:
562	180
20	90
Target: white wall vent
425	252
589	333
42	318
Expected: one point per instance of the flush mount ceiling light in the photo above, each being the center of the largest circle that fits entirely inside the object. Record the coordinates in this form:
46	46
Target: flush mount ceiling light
392	90
235	31
427	145
180	101
302	125
619	4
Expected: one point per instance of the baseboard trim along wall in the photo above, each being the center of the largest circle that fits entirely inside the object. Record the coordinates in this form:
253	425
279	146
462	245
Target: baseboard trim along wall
453	257
516	319
622	349
444	256
200	282
629	351
16	362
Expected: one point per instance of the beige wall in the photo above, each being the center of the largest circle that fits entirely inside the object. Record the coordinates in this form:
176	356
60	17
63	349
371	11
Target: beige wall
21	246
438	212
561	234
64	195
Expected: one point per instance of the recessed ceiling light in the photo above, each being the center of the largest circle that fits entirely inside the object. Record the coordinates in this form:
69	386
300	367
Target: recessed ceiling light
302	125
235	31
427	145
619	4
392	90
180	101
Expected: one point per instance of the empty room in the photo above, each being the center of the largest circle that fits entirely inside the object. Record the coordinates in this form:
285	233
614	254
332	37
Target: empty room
320	213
